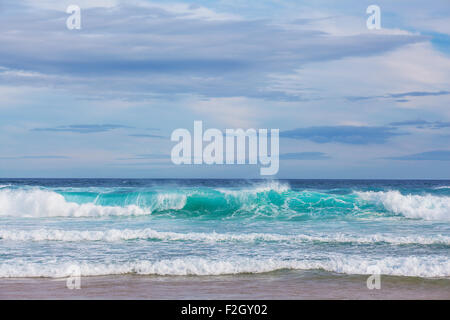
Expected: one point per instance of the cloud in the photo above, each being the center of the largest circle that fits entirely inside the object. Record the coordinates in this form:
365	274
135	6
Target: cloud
135	49
401	95
285	156
418	94
422	124
409	123
343	134
34	157
147	136
440	155
147	156
62	5
142	164
304	156
279	64
84	128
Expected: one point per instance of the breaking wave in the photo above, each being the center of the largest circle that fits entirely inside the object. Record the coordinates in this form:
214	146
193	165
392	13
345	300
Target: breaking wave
429	267
44	203
113	235
36	202
427	207
274	199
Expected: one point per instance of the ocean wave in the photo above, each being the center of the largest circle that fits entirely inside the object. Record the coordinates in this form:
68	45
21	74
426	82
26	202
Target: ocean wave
43	203
441	187
269	186
427	267
36	202
273	200
427	207
114	235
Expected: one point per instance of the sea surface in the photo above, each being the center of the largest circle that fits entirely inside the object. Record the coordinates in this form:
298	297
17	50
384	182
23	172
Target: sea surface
198	228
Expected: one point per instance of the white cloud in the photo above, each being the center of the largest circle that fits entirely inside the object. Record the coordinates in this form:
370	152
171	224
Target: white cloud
236	112
434	24
61	5
416	67
188	11
181	10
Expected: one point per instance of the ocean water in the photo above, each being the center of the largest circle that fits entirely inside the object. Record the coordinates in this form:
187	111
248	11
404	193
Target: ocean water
223	227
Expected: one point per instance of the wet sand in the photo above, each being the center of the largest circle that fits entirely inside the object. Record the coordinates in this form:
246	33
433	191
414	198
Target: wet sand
279	285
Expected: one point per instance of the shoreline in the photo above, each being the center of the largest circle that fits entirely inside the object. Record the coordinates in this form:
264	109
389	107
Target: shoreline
292	284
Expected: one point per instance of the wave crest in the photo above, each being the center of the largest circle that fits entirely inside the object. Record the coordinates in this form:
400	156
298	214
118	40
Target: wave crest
427	207
43	203
271	200
36	202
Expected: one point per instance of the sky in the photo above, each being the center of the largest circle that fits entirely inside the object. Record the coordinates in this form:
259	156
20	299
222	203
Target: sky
102	101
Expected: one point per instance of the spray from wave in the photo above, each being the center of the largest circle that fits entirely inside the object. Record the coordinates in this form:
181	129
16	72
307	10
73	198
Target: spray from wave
427	207
43	203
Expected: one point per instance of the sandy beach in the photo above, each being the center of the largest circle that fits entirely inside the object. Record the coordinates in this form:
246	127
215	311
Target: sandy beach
277	285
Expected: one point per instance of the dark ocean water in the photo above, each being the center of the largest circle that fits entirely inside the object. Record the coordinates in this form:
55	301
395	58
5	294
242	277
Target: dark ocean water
215	227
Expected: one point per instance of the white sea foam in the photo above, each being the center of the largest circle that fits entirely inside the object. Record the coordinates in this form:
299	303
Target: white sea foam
271	186
268	186
44	203
442	187
427	207
114	235
436	266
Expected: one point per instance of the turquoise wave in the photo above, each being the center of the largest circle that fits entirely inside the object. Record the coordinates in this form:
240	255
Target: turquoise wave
273	200
211	202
